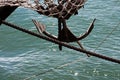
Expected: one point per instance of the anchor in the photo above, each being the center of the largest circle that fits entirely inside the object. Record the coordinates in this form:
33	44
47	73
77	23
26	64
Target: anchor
63	10
65	34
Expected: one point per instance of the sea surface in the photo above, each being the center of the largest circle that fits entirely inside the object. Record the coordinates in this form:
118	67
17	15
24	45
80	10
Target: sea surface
25	57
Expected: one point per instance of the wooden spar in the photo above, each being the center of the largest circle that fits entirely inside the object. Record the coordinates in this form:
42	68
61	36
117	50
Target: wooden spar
62	43
5	11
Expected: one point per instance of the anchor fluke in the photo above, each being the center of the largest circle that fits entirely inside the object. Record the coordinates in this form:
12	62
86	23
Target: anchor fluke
40	27
89	30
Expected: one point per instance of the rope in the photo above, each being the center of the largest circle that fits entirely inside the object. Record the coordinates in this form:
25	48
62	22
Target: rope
62	43
73	62
107	36
58	67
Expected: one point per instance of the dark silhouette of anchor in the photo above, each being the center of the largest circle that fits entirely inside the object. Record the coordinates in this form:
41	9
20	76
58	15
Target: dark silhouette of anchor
65	35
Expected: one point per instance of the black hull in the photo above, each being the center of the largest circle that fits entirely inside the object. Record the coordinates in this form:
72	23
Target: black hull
5	11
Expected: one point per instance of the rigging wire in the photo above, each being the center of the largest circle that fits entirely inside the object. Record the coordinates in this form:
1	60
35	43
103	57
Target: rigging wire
109	34
58	67
62	43
57	42
75	61
98	55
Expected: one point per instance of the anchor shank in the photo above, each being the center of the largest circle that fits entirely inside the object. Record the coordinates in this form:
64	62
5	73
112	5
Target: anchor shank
59	32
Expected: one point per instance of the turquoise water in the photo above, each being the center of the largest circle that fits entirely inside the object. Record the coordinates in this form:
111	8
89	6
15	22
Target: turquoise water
23	56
